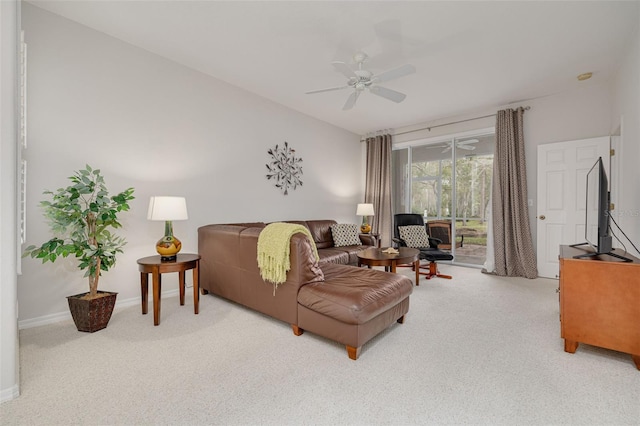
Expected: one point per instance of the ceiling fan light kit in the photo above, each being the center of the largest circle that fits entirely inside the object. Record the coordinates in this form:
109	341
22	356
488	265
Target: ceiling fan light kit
361	79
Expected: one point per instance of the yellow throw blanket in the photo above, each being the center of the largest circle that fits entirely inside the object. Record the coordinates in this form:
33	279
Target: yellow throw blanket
273	250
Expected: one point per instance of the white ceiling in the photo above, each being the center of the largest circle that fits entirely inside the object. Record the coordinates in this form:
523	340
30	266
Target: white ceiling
469	55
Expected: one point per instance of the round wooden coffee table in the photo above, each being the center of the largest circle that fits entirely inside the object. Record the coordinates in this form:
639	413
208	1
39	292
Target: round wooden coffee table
377	257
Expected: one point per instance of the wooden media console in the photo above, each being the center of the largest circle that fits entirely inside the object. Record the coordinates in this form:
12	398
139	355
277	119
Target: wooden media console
600	301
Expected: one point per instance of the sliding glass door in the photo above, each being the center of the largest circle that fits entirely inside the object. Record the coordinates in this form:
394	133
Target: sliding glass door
448	182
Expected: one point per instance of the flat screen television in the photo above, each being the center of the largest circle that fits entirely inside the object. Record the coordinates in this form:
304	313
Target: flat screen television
596	229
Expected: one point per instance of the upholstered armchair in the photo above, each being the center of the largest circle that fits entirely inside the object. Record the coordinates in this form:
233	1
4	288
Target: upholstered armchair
409	231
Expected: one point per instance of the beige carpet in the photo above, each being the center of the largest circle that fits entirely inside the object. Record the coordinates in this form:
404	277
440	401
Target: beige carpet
477	349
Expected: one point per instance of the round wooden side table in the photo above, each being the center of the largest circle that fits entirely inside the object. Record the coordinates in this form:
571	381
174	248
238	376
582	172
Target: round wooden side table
156	267
376	257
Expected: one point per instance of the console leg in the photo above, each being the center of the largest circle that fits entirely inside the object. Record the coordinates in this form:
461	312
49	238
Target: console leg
636	360
354	353
570	346
297	330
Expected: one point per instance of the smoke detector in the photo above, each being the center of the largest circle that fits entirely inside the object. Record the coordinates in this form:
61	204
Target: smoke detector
585	76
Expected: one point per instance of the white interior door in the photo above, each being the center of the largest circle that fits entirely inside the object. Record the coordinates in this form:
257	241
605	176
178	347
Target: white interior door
562	171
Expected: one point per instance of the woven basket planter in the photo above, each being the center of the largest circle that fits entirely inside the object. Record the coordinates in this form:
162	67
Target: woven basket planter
94	314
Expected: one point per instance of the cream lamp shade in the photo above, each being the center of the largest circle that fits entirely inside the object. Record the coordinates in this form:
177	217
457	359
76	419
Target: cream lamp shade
365	210
168	209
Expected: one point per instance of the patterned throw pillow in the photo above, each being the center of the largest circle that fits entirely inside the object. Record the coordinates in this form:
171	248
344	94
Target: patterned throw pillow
345	234
414	235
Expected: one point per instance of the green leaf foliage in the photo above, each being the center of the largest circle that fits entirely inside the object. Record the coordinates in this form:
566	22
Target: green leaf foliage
80	217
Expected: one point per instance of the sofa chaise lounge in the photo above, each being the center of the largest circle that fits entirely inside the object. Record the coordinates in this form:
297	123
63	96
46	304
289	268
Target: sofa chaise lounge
330	298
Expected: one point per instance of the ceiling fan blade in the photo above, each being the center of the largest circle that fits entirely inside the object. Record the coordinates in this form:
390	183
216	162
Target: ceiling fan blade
344	69
395	73
325	90
351	100
461	145
392	95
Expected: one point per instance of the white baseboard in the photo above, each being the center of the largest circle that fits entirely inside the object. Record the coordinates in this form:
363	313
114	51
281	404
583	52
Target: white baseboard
9	393
66	315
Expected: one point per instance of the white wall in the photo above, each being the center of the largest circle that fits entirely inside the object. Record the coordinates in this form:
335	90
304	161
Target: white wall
9	367
625	119
164	129
579	114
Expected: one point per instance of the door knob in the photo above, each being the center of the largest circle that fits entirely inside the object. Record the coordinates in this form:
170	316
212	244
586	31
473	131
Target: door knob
542	217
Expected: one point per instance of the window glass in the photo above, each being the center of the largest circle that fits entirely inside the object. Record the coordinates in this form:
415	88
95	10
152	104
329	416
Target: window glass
449	182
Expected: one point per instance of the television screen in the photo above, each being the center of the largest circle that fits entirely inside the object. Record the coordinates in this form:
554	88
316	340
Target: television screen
596	228
597	209
593	203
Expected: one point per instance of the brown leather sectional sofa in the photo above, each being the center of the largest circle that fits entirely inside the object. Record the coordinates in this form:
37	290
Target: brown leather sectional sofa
330	298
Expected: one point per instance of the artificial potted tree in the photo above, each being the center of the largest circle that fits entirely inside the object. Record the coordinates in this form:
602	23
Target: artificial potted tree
81	216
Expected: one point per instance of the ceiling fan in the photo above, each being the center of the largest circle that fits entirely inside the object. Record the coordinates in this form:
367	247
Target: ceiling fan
461	145
361	79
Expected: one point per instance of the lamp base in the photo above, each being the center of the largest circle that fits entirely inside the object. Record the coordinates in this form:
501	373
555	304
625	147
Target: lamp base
365	228
168	248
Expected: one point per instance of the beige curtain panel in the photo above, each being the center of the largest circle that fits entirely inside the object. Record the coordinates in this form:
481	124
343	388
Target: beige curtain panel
378	185
514	252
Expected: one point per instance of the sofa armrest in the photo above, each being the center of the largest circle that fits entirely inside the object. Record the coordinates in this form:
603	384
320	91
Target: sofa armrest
229	268
368	240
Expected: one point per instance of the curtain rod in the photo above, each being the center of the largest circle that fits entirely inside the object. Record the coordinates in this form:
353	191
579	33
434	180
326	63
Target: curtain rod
526	108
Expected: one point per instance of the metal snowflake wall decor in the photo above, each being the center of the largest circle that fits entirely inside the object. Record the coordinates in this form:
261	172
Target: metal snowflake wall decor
285	168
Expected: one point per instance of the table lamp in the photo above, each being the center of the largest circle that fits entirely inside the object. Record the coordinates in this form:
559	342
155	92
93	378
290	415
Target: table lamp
168	209
365	210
